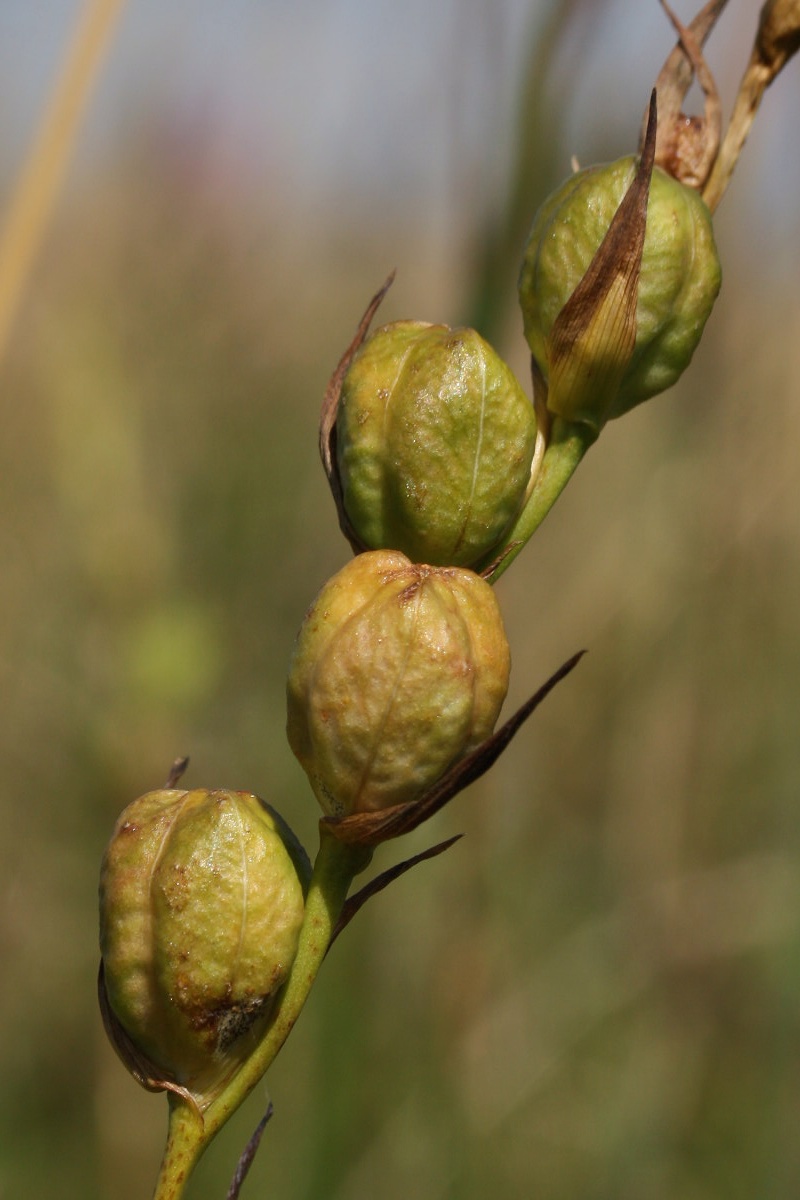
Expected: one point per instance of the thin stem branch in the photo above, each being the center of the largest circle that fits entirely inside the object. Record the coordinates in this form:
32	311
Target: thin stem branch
777	40
567	445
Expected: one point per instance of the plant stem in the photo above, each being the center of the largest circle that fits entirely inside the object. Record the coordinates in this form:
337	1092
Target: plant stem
190	1131
186	1141
567	445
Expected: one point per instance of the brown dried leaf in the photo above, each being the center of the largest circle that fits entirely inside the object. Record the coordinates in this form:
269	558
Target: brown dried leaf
248	1155
354	903
778	35
371	828
330	408
777	40
593	336
687	146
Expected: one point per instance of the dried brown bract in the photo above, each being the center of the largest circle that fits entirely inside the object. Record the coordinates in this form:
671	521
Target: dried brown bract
687	145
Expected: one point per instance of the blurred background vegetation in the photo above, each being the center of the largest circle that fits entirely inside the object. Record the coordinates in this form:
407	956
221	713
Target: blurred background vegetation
596	993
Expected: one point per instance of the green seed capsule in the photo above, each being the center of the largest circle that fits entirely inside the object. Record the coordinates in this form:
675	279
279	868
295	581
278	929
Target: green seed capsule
435	439
200	911
676	286
398	671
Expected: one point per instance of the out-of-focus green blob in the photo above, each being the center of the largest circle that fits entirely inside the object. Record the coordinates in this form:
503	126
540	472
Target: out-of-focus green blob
201	902
398	671
678	283
435	439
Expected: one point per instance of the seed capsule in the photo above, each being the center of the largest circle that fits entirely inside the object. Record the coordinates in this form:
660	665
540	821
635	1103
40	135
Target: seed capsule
435	439
201	904
676	286
398	671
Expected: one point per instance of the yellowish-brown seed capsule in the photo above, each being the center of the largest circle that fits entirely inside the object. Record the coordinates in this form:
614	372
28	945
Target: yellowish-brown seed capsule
398	671
201	902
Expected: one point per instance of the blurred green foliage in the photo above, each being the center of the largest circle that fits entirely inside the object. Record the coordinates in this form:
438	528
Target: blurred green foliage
596	993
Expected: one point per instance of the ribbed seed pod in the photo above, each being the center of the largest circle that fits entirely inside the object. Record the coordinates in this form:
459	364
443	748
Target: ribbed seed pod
675	287
201	902
435	439
398	671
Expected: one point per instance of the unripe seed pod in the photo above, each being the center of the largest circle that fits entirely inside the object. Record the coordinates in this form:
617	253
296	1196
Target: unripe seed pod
677	284
200	911
435	439
398	671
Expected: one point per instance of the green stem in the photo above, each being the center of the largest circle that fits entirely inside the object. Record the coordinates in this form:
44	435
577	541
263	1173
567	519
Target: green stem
567	445
185	1143
190	1132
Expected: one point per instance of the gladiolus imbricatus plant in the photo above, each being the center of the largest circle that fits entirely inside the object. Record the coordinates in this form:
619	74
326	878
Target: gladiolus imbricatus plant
213	922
